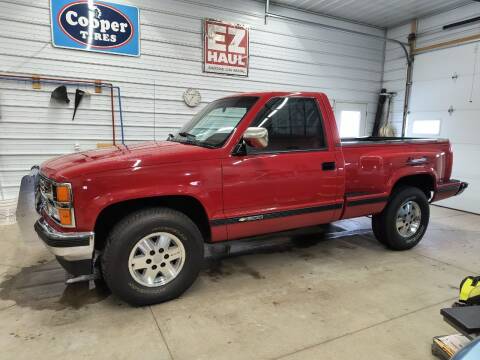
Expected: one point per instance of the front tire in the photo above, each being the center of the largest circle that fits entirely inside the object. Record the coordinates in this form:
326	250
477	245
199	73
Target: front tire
152	255
403	222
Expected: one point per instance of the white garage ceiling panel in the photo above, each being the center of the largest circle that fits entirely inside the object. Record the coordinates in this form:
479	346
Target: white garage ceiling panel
384	13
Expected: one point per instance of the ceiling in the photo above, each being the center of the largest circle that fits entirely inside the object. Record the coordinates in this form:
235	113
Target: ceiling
381	13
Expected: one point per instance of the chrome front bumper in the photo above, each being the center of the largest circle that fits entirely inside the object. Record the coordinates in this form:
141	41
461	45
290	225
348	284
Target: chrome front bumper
73	250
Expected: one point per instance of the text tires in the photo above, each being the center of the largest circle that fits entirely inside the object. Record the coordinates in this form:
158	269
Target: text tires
152	255
403	222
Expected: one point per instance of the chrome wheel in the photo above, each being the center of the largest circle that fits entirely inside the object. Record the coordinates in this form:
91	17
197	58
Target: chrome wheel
156	259
409	218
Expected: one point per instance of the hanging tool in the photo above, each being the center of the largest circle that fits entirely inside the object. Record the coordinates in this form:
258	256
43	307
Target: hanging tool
378	116
387	130
79	94
60	94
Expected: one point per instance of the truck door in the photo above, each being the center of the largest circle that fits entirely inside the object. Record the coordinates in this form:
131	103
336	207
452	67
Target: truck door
289	184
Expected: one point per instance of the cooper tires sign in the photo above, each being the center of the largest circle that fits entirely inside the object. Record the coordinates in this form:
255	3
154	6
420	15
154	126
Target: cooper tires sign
95	26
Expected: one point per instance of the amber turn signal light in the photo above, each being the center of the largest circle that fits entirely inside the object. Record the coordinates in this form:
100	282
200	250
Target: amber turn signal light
65	216
63	193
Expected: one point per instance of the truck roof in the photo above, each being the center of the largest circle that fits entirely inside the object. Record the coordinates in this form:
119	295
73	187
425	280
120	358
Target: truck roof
280	93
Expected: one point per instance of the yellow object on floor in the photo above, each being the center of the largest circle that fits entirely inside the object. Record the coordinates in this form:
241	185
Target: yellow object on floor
470	290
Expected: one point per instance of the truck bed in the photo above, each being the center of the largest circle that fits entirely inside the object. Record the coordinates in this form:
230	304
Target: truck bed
373	164
388	140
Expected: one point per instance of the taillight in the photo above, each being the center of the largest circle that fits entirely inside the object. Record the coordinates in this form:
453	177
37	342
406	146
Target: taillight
449	163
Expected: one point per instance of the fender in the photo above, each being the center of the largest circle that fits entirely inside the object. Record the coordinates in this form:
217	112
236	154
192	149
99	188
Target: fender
192	179
411	171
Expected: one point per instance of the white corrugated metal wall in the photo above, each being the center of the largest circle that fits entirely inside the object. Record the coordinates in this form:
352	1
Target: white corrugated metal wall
429	32
284	56
443	79
395	72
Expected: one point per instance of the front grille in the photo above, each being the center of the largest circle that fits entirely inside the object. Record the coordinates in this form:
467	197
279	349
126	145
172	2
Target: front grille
43	194
45	187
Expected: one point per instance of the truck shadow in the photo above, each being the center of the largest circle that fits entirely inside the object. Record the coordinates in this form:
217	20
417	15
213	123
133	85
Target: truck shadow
42	286
227	258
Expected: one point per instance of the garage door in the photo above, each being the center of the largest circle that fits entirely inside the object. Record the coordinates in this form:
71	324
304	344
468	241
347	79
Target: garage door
445	102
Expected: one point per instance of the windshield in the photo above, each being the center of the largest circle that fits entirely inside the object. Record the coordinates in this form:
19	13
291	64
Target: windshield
212	126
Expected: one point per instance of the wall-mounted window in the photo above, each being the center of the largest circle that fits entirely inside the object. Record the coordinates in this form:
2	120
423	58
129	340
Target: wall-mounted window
350	119
426	127
350	122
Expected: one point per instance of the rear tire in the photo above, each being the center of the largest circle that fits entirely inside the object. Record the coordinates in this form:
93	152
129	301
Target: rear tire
152	255
403	222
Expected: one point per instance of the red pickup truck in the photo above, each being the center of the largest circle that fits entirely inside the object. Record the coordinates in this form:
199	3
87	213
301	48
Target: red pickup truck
245	165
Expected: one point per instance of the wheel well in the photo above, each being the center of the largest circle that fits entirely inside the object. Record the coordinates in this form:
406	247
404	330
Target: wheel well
112	214
424	182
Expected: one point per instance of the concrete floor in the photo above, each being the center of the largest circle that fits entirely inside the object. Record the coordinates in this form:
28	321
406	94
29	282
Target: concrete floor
313	297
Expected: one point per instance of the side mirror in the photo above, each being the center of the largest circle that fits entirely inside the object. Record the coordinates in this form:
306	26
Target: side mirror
256	137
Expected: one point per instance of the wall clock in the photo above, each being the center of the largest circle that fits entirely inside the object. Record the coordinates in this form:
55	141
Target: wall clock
192	97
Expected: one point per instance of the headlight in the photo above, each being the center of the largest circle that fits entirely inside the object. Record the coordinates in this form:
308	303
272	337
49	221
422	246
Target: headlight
57	201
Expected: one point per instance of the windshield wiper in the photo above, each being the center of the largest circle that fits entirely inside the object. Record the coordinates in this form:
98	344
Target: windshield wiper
192	140
187	135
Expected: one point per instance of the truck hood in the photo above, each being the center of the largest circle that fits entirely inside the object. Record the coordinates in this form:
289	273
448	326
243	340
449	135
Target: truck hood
140	155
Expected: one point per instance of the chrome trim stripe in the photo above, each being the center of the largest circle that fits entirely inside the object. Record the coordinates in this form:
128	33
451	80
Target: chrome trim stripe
367	201
273	215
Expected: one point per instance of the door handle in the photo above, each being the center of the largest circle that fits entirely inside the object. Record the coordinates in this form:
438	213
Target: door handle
417	161
328	166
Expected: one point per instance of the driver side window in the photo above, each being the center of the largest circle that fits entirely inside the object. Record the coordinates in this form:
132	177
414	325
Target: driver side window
293	124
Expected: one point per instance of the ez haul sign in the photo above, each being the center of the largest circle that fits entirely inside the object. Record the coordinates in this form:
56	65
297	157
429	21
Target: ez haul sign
225	48
95	26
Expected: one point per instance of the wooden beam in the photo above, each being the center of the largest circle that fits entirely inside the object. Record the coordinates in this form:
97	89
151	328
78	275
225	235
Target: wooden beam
413	30
447	43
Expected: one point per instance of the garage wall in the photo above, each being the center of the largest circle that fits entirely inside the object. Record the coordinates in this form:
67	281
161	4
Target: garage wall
395	72
429	32
284	56
443	79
